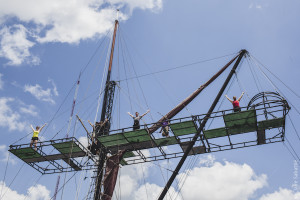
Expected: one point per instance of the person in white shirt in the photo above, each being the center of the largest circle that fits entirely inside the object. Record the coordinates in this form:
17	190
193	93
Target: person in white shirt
137	118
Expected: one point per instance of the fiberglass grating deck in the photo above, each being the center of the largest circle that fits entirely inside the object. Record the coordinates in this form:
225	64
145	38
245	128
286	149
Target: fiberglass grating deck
271	123
183	128
137	136
123	139
214	133
25	153
166	141
128	154
113	140
123	162
241	122
67	147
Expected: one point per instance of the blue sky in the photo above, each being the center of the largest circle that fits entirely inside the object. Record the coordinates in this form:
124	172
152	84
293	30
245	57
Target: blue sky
45	45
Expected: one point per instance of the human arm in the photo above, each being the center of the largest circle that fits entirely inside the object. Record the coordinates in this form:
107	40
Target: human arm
42	127
91	124
130	114
145	113
32	128
241	96
229	98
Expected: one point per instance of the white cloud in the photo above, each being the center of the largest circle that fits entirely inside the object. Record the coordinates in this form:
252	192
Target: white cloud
83	141
29	109
1	82
131	178
256	5
68	21
152	192
9	118
14	83
5	153
282	194
154	5
55	92
39	93
231	180
15	45
38	192
128	184
207	160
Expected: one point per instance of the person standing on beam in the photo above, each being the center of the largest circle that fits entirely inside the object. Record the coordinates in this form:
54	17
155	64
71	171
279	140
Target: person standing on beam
235	102
136	119
35	136
97	129
165	127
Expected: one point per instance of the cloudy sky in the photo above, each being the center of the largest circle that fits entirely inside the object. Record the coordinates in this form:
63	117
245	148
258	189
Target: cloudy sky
45	45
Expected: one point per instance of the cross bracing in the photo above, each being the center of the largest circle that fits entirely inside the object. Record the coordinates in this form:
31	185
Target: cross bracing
231	130
46	159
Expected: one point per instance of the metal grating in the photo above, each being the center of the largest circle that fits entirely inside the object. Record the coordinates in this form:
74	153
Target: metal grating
241	122
166	141
25	153
67	147
113	140
271	123
183	128
128	154
214	133
123	162
137	136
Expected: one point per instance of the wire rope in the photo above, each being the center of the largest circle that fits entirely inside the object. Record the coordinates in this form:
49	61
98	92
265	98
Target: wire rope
157	81
92	79
252	73
180	66
295	158
13	180
291	153
36	182
294	127
102	81
192	161
144	182
144	122
289	88
276	88
293	150
5	171
125	72
79	188
252	64
74	84
126	62
241	86
139	84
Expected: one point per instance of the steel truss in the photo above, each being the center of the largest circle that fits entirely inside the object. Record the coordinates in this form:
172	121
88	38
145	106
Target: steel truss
46	159
276	108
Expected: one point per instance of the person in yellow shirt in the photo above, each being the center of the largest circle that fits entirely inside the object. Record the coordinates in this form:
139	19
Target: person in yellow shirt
35	136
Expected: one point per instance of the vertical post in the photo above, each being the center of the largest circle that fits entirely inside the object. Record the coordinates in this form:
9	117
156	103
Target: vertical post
109	73
102	155
186	153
